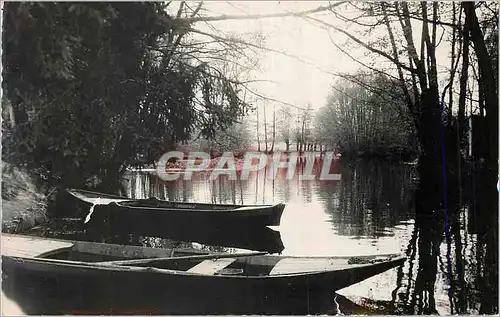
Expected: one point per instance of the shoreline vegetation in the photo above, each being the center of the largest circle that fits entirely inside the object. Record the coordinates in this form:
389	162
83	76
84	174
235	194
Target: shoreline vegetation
24	206
174	163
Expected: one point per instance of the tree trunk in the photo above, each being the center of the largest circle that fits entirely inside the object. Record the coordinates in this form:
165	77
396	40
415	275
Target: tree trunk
265	129
302	141
258	123
452	63
490	85
274	130
491	105
430	192
481	90
464	75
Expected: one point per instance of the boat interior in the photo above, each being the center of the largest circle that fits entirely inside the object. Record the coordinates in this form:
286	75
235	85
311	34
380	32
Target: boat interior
84	251
247	266
155	203
228	264
152	202
257	265
187	260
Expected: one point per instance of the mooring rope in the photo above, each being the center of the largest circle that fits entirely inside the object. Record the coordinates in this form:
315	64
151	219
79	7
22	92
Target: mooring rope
96	202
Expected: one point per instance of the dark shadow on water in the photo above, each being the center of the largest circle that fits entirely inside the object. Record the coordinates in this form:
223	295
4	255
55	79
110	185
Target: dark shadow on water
241	237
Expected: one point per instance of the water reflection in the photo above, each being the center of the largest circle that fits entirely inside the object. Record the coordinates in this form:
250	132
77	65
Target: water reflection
369	199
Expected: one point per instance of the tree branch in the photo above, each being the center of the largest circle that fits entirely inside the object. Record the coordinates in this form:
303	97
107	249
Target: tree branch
395	53
362	43
262	16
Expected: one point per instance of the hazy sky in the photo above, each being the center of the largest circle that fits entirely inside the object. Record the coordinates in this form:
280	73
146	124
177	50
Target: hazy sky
297	82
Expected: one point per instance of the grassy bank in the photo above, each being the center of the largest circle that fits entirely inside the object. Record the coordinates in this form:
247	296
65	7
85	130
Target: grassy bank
23	206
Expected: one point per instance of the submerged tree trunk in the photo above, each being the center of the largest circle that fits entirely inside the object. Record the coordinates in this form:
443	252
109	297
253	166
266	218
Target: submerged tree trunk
491	104
274	130
429	231
265	129
430	191
258	137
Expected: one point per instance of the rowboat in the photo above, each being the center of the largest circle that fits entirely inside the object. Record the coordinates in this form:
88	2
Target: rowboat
152	211
169	281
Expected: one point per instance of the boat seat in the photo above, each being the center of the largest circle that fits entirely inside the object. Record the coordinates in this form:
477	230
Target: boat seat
296	265
23	246
212	266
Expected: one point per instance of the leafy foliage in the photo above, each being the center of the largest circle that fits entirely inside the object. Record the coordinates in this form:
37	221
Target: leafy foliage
95	86
235	137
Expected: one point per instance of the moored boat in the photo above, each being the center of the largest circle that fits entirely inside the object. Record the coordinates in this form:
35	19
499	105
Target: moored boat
250	283
151	211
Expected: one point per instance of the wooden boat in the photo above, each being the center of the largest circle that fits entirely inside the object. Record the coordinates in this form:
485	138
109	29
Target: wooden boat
153	211
249	283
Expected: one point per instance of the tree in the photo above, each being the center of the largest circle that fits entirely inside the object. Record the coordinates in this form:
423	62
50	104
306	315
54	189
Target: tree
297	134
303	127
258	135
324	126
94	86
365	118
285	128
235	138
265	128
274	129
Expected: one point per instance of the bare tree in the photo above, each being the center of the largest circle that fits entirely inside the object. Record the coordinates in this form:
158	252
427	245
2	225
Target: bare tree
305	128
297	135
285	126
265	127
258	135
274	128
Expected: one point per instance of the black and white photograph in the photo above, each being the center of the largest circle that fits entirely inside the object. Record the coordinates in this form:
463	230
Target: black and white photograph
250	158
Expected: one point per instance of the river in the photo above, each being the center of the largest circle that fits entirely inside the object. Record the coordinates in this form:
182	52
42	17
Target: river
370	210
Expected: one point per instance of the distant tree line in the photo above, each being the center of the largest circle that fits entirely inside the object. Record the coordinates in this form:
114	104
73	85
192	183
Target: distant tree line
365	116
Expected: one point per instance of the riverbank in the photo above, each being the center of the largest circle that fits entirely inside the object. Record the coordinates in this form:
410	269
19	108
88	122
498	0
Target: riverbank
23	205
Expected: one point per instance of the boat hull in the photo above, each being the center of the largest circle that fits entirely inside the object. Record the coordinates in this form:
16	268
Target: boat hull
50	276
125	209
76	288
173	219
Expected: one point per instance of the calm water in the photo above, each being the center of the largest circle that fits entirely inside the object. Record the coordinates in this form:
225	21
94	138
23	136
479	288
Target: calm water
369	211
